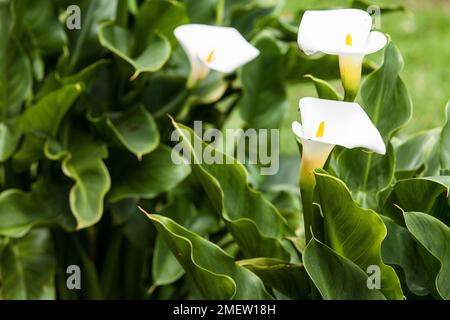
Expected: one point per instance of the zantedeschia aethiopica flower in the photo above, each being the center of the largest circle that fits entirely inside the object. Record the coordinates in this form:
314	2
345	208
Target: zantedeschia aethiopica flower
326	123
343	32
222	49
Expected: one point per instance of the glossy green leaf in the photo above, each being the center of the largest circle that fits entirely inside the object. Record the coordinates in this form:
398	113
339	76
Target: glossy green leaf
215	273
44	118
336	277
27	268
119	40
382	90
418	155
15	70
428	194
435	236
84	46
136	129
366	173
420	267
264	100
254	222
287	278
324	89
154	174
10	134
161	16
353	232
39	25
180	208
46	203
84	165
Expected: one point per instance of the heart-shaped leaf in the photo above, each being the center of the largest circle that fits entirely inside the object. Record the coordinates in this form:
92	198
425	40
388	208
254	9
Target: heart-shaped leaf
27	268
353	232
335	276
254	222
435	236
155	173
215	273
84	165
136	129
120	41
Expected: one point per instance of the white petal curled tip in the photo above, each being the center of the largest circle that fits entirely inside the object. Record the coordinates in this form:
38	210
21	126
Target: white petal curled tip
222	49
376	41
297	129
328	31
339	123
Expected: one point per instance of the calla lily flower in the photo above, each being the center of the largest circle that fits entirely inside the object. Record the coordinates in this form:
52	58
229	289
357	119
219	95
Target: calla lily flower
327	123
222	49
342	32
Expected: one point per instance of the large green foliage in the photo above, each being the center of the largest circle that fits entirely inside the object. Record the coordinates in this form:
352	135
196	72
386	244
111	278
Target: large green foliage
85	141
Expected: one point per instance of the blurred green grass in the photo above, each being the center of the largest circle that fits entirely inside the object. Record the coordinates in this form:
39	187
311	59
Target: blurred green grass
423	37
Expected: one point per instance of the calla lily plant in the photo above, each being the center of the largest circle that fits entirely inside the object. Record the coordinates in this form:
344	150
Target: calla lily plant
343	32
222	49
325	124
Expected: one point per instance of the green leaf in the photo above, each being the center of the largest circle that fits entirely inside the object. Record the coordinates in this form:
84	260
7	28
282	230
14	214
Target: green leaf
418	155
136	129
264	102
27	268
428	194
44	118
46	203
84	165
154	174
180	208
336	277
324	89
84	46
287	278
214	272
202	11
445	141
119	40
435	236
254	222
15	70
366	173
39	26
382	90
10	134
353	232
161	16
420	267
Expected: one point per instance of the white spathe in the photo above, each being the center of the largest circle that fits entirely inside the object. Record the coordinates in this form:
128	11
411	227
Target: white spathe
326	123
344	123
327	31
222	49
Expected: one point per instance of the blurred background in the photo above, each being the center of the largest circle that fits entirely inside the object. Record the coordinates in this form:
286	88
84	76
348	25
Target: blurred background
422	33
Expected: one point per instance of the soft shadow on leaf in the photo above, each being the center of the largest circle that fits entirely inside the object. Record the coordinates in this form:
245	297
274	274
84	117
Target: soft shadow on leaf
336	277
215	273
353	232
435	236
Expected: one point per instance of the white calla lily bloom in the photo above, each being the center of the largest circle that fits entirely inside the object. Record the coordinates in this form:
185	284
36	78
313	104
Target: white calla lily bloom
222	49
327	123
343	32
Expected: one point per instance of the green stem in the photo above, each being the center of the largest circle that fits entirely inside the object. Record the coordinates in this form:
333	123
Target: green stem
311	214
122	13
